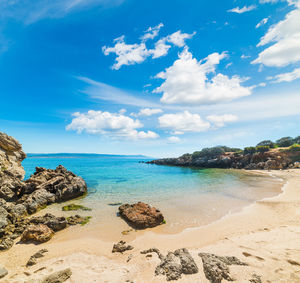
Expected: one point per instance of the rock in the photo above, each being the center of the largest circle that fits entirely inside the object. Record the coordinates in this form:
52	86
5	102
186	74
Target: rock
77	219
174	264
255	279
53	222
141	215
11	170
6	243
38	233
3	217
38	199
188	264
33	259
3	271
130	257
170	267
62	183
216	267
58	277
121	247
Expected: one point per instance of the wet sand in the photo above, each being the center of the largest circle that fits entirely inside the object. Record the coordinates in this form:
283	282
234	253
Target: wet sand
266	235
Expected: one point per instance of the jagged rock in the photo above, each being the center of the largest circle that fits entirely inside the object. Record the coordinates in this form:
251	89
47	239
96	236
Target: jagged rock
53	222
6	243
62	183
38	199
58	277
188	265
141	215
255	279
216	267
170	267
38	233
174	264
3	271
121	247
33	259
3	217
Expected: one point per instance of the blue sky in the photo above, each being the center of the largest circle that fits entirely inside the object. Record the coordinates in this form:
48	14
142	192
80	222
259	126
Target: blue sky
159	78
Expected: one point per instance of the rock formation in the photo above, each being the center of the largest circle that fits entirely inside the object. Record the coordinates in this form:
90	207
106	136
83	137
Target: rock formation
19	198
141	215
121	247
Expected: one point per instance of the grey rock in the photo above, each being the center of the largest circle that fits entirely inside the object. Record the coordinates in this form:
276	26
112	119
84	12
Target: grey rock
33	259
188	265
170	267
255	279
6	243
58	277
53	222
121	247
216	267
39	199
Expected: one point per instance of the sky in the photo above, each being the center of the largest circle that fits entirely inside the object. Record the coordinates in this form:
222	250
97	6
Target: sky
158	78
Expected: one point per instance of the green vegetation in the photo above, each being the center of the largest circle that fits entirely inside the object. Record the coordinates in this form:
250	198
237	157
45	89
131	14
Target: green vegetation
73	206
164	221
268	143
285	142
294	148
249	150
262	148
85	220
212	152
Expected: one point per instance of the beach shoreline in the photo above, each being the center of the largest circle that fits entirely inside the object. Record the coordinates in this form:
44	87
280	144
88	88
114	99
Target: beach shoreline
264	234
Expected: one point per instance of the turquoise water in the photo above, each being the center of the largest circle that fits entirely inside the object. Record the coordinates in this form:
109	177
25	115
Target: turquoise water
198	196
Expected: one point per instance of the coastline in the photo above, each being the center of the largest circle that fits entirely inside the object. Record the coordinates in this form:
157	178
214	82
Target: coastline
264	234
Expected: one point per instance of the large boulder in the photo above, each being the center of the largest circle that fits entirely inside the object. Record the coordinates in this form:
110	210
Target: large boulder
53	222
141	215
63	184
11	170
39	233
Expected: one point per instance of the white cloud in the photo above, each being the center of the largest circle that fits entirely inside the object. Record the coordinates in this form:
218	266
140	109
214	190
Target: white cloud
102	91
186	81
152	32
262	22
148	112
245	56
242	10
130	54
220	120
286	77
114	125
29	11
284	38
174	139
183	122
127	54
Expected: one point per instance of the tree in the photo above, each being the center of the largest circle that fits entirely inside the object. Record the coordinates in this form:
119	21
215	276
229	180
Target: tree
266	143
285	142
262	148
249	150
211	152
297	140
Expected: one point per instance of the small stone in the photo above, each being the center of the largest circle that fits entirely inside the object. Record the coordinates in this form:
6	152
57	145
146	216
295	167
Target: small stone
58	277
33	258
3	271
121	247
130	257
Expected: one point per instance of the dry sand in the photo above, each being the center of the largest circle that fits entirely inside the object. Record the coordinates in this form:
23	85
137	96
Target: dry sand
266	235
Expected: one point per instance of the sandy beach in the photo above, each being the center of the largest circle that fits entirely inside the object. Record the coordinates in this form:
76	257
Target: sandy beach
265	235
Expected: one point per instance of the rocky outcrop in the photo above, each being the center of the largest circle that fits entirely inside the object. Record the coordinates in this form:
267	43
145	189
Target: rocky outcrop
19	198
271	160
141	215
121	247
33	259
39	233
216	267
11	170
174	264
58	277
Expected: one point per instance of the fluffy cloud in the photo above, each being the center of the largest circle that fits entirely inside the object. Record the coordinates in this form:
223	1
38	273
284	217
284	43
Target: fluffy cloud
187	82
114	125
127	54
286	77
284	38
148	112
242	10
174	139
183	122
152	32
262	22
220	120
130	54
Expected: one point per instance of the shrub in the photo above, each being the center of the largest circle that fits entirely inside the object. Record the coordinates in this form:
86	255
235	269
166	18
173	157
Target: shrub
262	148
249	150
268	143
285	142
294	148
297	140
211	152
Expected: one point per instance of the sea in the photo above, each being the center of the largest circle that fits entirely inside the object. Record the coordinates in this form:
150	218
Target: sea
188	197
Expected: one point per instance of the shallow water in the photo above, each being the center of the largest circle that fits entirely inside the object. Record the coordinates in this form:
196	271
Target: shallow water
187	197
